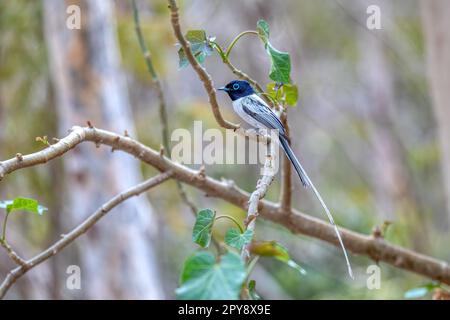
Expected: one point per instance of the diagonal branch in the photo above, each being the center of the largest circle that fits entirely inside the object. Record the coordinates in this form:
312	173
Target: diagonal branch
299	223
67	239
201	72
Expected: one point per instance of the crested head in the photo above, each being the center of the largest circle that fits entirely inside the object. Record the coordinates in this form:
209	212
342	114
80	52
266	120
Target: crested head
238	89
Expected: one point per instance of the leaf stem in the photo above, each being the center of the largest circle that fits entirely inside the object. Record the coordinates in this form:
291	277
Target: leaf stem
232	219
219	50
5	221
240	35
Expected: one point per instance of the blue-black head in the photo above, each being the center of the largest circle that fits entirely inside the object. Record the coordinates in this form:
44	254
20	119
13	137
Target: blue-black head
237	89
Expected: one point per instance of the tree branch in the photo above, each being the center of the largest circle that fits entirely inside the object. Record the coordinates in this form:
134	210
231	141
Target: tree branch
299	223
286	179
261	189
11	253
201	72
67	239
162	102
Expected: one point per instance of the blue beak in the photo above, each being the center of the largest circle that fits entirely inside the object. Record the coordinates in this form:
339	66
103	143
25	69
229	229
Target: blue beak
223	89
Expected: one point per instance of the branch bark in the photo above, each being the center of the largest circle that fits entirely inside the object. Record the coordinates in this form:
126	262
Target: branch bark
67	239
286	178
12	254
201	72
261	189
299	223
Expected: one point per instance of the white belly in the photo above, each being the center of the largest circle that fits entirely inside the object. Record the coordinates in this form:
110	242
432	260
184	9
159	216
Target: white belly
237	106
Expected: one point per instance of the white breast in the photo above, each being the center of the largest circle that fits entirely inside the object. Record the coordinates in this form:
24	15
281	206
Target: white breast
237	106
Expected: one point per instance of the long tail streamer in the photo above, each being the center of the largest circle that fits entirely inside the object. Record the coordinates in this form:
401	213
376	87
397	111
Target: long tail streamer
306	181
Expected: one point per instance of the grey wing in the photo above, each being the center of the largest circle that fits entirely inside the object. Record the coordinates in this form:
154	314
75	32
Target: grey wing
259	111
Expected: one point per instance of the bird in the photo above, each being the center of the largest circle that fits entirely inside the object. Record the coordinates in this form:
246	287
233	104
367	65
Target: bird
255	111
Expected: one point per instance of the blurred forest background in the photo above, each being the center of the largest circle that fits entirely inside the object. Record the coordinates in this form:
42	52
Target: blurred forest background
372	127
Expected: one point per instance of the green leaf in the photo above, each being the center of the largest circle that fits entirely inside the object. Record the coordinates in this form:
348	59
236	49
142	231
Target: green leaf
283	92
183	61
270	249
23	204
274	90
290	94
200	47
236	239
252	290
196	36
204	278
280	68
416	293
277	251
421	291
202	231
263	30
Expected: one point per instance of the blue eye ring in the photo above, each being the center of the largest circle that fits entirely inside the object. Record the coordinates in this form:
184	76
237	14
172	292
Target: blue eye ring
236	86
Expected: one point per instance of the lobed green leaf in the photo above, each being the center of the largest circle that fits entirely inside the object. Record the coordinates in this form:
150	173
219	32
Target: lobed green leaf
287	92
263	30
290	94
202	231
200	47
234	238
280	68
204	278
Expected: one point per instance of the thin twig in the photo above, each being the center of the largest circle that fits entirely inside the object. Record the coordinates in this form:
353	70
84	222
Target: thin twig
162	102
155	78
299	223
201	72
12	254
242	75
286	179
82	228
239	73
5	222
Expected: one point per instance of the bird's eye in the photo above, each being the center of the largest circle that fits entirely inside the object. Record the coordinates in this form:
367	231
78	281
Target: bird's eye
236	86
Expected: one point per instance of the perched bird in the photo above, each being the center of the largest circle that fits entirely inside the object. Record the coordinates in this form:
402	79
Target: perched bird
253	110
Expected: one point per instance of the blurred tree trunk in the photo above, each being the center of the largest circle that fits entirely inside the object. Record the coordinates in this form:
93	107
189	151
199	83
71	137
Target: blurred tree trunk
436	23
117	257
395	193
